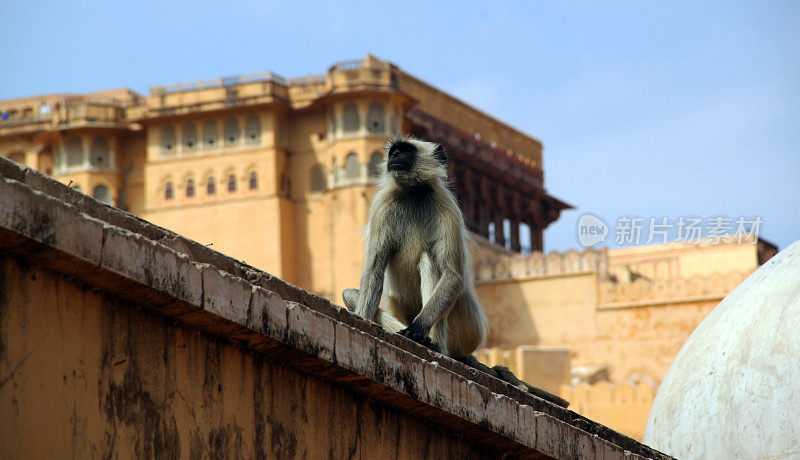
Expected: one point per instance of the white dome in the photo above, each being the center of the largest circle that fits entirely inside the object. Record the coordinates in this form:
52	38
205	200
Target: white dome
733	390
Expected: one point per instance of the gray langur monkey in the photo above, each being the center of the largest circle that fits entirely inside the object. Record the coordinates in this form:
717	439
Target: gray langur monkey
417	277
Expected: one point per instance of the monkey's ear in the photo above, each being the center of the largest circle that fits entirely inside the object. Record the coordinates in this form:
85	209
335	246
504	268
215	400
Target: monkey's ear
440	154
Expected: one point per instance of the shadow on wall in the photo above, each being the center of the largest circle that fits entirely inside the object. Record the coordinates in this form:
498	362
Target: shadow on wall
507	310
540	299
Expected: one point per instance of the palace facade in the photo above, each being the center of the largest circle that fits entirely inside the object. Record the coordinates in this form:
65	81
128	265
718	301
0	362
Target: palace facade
280	172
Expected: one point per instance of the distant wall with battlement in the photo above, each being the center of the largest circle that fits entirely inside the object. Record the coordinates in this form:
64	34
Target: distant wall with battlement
538	265
642	292
573	300
627	311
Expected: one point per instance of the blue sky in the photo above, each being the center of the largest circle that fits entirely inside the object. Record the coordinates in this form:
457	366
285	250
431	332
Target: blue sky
645	109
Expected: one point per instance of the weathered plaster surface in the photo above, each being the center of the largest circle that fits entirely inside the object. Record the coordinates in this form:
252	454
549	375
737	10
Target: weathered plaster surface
88	376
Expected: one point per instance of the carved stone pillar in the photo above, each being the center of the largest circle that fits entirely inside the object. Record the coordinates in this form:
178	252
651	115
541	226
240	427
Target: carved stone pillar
477	203
485	205
536	223
469	202
499	216
514	234
458	189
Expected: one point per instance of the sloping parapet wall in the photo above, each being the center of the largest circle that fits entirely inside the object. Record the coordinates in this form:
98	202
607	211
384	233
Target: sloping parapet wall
120	338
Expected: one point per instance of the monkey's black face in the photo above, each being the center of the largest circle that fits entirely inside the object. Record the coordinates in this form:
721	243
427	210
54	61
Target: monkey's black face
401	157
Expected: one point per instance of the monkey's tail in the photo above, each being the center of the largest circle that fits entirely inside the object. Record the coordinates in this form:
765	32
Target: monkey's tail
388	321
502	373
384	318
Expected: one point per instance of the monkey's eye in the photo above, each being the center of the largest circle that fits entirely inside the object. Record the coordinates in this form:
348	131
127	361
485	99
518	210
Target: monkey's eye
402	147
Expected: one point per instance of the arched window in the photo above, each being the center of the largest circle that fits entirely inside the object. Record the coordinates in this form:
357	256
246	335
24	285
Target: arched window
169	190
17	157
74	152
350	118
210	134
189	188
99	153
211	185
375	161
231	183
319	182
253	180
189	137
351	166
168	140
252	130
232	131
375	121
102	193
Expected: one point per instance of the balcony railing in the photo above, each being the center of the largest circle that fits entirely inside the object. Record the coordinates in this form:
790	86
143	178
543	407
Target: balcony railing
362	74
91	112
218	83
22	121
70	111
354	64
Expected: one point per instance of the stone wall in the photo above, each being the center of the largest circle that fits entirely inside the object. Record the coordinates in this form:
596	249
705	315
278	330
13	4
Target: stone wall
87	376
501	267
580	303
570	300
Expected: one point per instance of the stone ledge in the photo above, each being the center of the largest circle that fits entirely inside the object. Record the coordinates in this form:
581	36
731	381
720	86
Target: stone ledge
72	234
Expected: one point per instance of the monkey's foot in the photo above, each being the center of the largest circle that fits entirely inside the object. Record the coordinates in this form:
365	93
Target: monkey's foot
415	333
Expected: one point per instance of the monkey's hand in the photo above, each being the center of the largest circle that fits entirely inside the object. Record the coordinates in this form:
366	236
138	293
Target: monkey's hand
416	333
